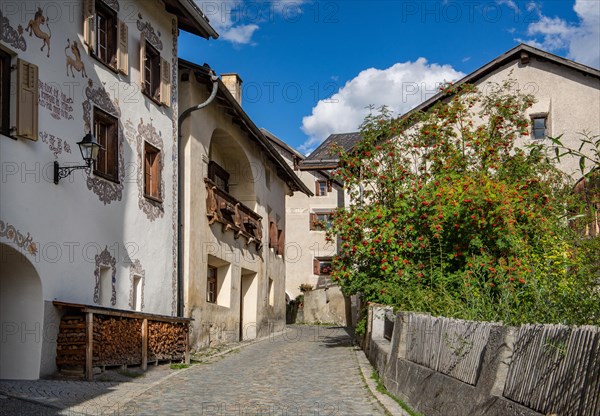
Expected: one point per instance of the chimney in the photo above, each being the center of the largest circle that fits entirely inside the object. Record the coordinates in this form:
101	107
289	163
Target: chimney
233	82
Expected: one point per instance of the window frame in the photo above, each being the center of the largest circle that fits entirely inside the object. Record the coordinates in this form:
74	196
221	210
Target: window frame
539	116
5	104
211	280
216	171
112	47
155	174
152	74
314	221
113	123
319	265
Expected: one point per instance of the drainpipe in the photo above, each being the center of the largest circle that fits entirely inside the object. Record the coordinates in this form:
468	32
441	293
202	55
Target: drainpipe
215	87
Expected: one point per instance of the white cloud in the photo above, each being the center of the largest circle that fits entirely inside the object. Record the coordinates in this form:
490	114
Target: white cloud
581	40
236	21
401	87
510	3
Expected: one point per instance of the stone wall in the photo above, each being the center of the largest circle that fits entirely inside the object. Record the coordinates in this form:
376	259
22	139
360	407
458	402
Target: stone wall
327	305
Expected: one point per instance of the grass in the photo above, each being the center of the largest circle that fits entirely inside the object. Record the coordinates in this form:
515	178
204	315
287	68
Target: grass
381	389
178	366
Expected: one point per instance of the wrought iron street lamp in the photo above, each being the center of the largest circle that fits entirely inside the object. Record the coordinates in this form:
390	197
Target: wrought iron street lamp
89	148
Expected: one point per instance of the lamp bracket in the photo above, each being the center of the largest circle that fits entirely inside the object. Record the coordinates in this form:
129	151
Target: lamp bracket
61	173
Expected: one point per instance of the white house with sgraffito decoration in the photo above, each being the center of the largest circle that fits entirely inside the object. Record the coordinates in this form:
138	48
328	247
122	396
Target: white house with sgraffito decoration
104	236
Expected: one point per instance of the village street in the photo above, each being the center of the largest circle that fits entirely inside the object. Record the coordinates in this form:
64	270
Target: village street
303	371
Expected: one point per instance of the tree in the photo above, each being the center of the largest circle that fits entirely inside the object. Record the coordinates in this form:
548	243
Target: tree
449	216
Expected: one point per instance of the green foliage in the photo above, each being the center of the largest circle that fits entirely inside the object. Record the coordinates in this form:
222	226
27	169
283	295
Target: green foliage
448	216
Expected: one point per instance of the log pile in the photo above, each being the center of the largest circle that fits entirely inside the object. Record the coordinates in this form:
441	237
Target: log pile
70	345
166	340
119	340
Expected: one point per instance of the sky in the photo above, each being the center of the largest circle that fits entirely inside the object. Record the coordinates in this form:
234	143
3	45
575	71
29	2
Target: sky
311	68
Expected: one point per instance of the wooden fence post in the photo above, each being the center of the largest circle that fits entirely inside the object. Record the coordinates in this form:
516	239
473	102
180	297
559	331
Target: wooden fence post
89	346
145	344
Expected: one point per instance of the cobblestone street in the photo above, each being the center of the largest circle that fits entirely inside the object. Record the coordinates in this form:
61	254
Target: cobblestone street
304	371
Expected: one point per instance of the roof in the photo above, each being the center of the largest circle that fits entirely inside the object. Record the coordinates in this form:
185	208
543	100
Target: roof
239	117
325	156
190	18
293	152
322	158
518	52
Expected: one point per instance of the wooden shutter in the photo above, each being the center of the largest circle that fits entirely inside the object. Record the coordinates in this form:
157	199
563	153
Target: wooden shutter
27	100
165	82
317	188
147	171
316	267
89	23
272	235
280	241
123	48
143	62
313	220
156	173
329	185
112	148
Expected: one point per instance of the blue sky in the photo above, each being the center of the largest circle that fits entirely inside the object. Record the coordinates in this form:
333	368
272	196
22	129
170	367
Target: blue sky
310	68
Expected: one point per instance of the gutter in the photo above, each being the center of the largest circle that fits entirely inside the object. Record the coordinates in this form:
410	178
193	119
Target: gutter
215	80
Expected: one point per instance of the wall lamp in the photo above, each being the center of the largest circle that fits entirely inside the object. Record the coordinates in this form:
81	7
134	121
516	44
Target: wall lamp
89	148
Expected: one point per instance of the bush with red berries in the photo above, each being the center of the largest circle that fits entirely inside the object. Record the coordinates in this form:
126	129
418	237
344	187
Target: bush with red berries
449	216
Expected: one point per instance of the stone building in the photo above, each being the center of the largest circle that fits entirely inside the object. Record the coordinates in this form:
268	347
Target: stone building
234	214
105	235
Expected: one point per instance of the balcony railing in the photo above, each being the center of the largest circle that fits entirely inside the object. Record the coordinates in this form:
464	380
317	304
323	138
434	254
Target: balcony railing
232	214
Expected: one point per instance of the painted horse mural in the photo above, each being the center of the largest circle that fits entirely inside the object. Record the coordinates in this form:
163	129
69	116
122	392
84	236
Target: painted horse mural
34	27
76	62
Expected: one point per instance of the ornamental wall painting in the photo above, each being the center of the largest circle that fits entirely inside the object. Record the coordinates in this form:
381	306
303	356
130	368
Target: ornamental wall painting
147	133
148	32
107	191
12	234
55	144
14	37
105	260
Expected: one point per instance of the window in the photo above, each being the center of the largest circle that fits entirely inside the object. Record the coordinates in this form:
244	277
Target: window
106	35
136	293
156	74
106	132
538	123
321	221
151	86
273	235
322	187
322	266
211	285
152	172
268	178
218	175
4	93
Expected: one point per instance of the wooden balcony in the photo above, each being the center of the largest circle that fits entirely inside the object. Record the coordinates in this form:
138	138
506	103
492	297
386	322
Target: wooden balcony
232	214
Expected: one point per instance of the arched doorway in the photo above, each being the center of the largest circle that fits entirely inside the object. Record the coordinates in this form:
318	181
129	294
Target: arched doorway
228	159
21	316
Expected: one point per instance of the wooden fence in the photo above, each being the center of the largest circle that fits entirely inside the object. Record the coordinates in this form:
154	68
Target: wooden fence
451	346
556	369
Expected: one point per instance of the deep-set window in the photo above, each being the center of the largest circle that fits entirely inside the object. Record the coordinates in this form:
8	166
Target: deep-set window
320	221
106	35
218	175
107	133
322	266
4	93
152	172
211	285
539	124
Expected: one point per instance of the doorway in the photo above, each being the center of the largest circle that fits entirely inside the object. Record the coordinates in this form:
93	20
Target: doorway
248	304
21	316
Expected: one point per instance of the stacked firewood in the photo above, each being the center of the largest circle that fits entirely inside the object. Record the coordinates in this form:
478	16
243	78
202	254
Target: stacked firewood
166	341
119	341
71	342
